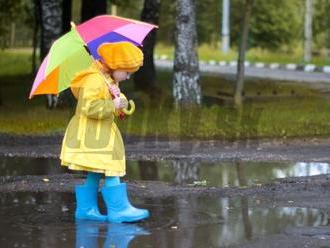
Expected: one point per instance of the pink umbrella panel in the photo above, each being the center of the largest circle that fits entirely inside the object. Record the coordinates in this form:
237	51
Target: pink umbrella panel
108	28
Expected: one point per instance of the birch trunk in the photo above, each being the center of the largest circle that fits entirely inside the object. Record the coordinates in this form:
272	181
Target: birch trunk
186	88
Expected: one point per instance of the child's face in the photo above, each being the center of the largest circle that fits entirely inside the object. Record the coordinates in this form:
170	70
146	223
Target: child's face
119	75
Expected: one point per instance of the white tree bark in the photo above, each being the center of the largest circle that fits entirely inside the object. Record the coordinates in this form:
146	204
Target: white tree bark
308	31
186	88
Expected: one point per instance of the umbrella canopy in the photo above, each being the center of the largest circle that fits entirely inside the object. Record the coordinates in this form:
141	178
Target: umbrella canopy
77	49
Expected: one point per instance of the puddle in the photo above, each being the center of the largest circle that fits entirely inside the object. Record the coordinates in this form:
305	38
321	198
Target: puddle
46	220
213	174
223	174
19	166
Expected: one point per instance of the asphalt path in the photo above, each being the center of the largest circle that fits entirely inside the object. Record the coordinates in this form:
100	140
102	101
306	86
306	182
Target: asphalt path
316	78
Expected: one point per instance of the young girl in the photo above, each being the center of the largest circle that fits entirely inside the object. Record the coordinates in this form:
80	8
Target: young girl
92	141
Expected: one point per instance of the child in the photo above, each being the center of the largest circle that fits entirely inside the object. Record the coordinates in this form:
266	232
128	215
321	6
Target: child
92	141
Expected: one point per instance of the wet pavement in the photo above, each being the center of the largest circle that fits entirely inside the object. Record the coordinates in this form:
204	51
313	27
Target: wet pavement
46	220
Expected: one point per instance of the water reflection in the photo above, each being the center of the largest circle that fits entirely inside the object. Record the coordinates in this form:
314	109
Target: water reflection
226	174
220	174
89	234
304	169
47	220
185	172
17	166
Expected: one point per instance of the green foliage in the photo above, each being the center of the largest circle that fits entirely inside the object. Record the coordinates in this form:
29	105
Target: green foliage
276	23
273	23
166	22
19	12
208	21
321	23
129	9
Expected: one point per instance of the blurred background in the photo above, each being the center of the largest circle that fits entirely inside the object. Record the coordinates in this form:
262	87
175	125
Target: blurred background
184	89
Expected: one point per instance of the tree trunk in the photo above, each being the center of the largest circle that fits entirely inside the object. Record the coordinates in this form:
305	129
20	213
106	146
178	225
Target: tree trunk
50	12
186	88
12	34
65	98
50	16
35	36
242	49
145	78
66	16
308	31
91	9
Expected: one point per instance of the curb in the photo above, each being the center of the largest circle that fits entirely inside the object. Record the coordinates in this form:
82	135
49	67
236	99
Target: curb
259	65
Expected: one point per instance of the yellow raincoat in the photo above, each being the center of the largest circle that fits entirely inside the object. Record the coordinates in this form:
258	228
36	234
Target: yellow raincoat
92	141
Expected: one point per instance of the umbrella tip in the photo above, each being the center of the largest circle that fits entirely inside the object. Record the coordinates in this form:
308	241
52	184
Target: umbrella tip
73	25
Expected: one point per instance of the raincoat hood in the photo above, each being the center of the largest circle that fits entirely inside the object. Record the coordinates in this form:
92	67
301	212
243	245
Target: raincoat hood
79	79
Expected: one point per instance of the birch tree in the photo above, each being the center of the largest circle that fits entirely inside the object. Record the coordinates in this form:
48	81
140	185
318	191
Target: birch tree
186	87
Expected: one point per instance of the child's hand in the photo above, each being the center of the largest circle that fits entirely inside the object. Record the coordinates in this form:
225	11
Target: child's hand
114	90
120	102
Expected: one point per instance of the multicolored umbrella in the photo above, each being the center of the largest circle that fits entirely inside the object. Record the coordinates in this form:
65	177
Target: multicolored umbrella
77	49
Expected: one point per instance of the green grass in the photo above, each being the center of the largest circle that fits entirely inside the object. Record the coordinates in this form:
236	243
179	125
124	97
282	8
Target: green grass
207	52
295	110
15	62
289	118
283	118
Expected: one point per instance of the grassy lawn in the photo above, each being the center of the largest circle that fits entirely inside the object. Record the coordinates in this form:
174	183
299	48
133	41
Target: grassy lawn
15	62
206	52
272	109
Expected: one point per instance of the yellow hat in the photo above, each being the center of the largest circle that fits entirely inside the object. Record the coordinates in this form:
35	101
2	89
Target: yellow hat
121	56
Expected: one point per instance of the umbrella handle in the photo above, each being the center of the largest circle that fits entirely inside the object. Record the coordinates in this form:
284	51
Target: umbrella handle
131	109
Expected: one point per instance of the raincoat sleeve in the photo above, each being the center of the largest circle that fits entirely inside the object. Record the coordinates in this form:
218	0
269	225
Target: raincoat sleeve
117	111
95	102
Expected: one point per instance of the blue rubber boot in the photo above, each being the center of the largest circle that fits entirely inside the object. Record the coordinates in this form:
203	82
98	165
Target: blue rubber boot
118	206
87	209
120	235
87	233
